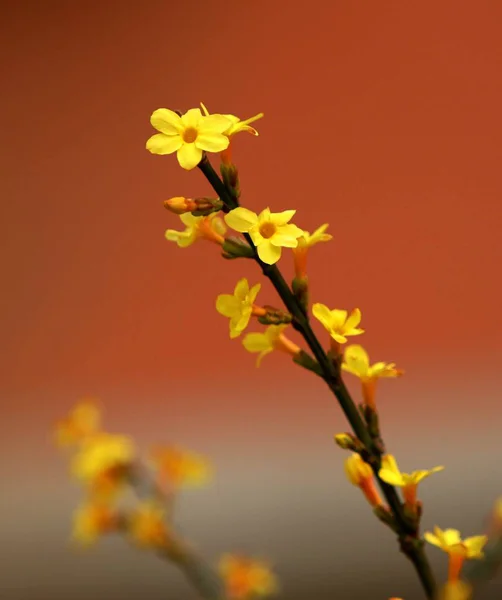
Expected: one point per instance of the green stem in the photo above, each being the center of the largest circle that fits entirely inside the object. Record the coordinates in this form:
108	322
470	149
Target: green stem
332	377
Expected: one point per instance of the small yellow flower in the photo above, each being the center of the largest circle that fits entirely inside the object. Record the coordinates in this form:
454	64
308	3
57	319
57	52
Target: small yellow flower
102	463
211	228
188	135
269	231
147	525
337	323
360	474
236	124
305	242
83	421
345	440
238	306
245	578
92	520
356	361
272	339
390	473
458	550
179	468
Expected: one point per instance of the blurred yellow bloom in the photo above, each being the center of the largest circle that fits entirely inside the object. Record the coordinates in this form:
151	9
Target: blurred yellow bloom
102	463
211	228
92	520
236	124
360	474
147	525
449	541
337	322
390	473
305	242
188	135
458	550
356	361
83	421
272	339
238	307
180	468
269	231
245	578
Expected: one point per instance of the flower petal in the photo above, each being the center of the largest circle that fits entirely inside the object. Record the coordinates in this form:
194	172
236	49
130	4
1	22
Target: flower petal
322	313
191	118
212	141
241	289
269	253
215	124
253	292
166	121
390	477
241	219
227	305
281	218
284	240
189	156
353	320
256	342
356	359
163	144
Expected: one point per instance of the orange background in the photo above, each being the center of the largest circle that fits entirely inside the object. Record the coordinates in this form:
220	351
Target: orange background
382	119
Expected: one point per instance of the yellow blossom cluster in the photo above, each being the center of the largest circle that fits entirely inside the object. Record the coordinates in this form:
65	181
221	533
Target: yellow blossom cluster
107	465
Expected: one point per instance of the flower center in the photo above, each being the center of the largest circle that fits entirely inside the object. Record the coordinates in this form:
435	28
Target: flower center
190	135
267	230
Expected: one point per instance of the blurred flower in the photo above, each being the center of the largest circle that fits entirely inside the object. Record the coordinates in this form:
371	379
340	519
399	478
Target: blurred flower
92	520
356	361
391	474
102	463
360	474
146	525
337	323
245	578
271	339
188	135
180	468
457	549
305	242
83	421
239	306
211	228
269	231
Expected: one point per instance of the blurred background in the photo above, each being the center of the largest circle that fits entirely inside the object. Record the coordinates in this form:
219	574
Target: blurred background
382	119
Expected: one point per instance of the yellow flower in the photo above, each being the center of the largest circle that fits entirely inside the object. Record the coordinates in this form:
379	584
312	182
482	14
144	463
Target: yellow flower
356	361
236	124
179	468
272	339
92	520
458	550
390	473
146	525
449	541
337	323
211	228
102	463
188	135
269	231
245	578
305	242
238	306
83	421
360	474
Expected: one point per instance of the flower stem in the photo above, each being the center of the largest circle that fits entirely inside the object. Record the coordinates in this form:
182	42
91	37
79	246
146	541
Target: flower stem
410	543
